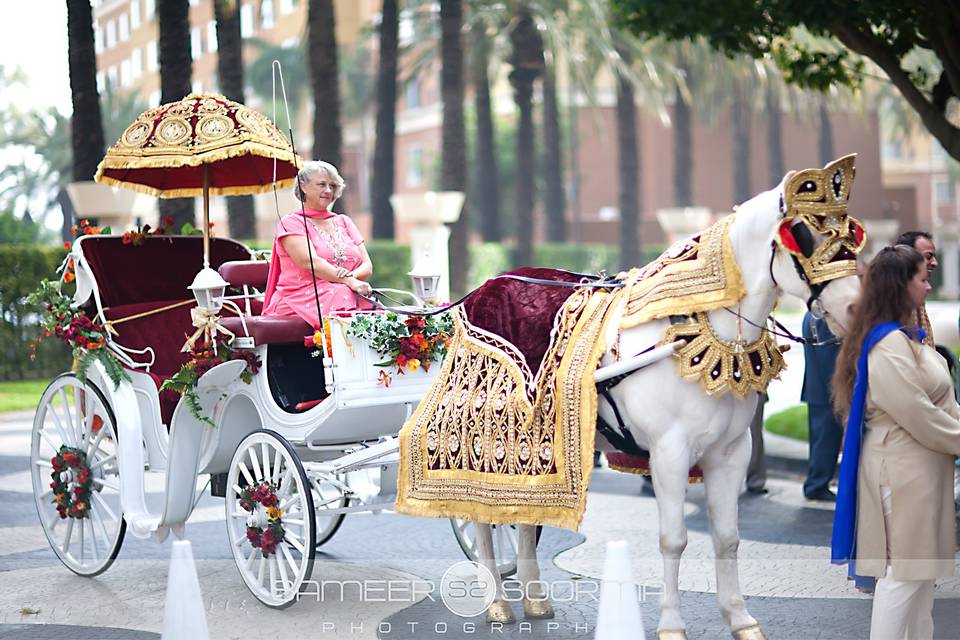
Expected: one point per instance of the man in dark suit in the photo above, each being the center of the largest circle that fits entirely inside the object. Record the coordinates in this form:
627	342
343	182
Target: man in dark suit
826	434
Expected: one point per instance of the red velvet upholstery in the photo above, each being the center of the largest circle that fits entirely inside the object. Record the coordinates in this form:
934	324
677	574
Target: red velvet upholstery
160	269
521	312
250	273
270	329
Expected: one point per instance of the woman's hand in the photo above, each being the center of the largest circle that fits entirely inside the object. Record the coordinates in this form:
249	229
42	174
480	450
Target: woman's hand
344	273
359	286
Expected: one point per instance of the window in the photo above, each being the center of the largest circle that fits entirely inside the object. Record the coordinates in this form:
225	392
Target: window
135	14
152	55
286	7
97	39
405	31
124	27
246	21
943	192
154	99
136	63
112	78
196	50
197	86
266	14
938	152
412	94
149	8
194	3
415	166
212	36
111	34
125	72
101	82
891	150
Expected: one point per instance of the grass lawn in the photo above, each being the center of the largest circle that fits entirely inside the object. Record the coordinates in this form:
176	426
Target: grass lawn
791	423
21	394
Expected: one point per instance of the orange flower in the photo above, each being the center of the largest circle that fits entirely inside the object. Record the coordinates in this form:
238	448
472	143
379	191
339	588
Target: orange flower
413	364
69	277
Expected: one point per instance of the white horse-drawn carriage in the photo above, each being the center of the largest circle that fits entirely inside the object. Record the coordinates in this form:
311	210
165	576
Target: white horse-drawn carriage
316	432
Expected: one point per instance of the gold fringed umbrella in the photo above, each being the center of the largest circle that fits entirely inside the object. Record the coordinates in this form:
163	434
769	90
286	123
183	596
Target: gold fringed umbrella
201	145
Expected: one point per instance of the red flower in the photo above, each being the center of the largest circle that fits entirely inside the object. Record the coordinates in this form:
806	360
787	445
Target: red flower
71	459
253	536
84	475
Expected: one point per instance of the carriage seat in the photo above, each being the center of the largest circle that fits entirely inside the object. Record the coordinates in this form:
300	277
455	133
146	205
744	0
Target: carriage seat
270	329
246	273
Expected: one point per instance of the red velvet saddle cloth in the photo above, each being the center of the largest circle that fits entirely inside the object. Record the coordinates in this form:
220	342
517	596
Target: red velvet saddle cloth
627	463
522	313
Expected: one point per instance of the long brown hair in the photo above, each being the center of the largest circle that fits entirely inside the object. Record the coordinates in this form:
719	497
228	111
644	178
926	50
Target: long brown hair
883	298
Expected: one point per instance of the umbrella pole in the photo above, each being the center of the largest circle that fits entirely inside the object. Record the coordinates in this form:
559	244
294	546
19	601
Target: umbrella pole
206	216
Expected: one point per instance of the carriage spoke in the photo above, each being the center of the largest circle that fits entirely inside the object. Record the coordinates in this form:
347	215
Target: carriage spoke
82	545
68	418
277	459
94	445
298	523
44	463
102	461
251	558
273	564
107	484
106	507
255	463
296	542
52	411
103	529
246	476
48	439
261	568
65	547
290	560
265	456
53	520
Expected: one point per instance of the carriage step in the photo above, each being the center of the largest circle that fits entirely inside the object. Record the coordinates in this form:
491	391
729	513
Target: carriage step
385	452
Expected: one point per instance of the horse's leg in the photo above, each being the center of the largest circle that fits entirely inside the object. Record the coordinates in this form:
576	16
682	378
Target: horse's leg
670	465
536	602
500	610
724	470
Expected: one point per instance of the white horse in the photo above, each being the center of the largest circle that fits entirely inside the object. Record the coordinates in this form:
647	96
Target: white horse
680	425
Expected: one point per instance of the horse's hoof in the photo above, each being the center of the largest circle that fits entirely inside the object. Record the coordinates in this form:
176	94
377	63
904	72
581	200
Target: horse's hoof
753	632
500	611
672	634
537	609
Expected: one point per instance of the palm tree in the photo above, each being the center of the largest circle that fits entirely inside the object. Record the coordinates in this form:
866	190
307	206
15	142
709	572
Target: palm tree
526	58
825	134
485	165
774	114
324	78
682	142
628	164
453	176
86	130
240	214
176	69
554	200
383	153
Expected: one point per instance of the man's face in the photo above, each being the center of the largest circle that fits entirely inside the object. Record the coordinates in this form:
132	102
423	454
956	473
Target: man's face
924	247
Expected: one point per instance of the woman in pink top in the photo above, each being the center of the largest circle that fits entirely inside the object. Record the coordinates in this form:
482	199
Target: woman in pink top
340	260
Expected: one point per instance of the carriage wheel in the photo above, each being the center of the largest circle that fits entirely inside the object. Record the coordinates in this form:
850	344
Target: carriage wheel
75	429
327	495
504	543
270	518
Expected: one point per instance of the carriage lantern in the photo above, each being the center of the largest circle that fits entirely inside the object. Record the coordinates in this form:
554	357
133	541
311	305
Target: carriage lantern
425	285
208	288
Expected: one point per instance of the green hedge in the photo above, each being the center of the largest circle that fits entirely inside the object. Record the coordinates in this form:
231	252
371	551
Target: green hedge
21	269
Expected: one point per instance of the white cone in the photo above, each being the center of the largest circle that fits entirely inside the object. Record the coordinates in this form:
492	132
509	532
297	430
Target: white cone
619	615
184	617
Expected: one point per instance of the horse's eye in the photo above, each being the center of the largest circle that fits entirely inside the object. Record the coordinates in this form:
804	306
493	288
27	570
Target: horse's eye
807	187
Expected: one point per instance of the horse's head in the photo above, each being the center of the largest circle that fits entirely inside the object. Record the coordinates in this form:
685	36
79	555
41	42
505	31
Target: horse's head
816	243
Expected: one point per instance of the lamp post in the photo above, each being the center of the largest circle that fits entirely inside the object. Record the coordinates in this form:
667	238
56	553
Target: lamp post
428	215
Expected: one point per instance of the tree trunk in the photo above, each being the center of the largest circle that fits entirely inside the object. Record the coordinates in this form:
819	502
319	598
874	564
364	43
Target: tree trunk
628	165
324	79
554	199
825	136
86	124
527	60
774	135
240	214
176	69
740	116
487	176
453	152
682	153
383	151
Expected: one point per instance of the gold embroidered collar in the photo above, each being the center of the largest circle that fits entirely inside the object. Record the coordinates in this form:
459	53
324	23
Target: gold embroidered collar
723	366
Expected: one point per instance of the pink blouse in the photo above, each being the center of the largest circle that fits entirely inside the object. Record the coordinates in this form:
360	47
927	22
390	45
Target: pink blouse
293	293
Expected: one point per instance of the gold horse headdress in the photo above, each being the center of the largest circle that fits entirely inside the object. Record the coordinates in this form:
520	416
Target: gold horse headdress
815	204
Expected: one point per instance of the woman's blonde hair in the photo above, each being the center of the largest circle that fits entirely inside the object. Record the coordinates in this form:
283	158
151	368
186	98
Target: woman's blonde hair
312	168
883	298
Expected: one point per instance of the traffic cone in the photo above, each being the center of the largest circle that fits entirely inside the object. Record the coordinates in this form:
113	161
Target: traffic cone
184	617
619	615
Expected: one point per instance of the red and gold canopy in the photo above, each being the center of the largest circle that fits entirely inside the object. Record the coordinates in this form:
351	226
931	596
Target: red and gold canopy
167	150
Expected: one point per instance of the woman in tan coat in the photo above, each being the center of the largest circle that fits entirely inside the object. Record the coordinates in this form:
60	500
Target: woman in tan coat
896	484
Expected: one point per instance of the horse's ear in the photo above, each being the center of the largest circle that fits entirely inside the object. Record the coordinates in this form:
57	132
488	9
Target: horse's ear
785	235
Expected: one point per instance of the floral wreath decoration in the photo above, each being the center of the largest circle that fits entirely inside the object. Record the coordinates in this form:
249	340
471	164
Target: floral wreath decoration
70	468
264	538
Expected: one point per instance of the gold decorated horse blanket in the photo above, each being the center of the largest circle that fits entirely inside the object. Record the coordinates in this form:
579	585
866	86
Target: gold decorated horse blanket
491	442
